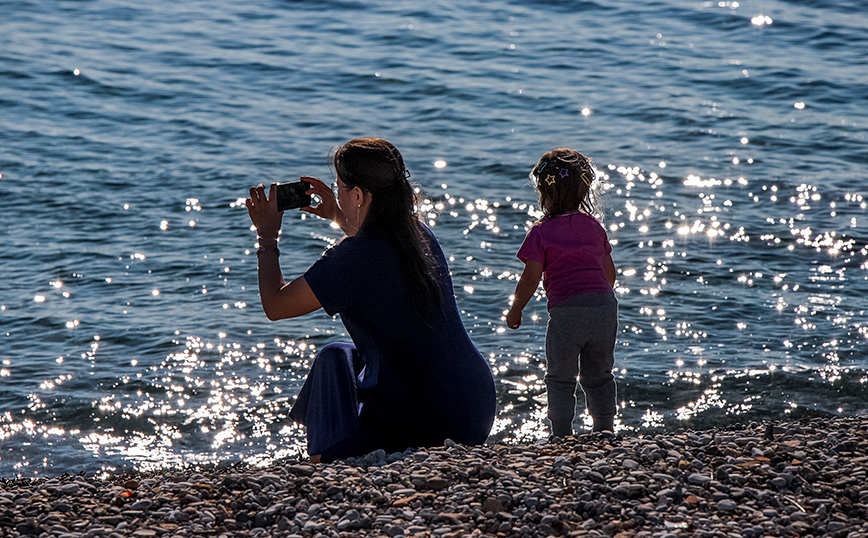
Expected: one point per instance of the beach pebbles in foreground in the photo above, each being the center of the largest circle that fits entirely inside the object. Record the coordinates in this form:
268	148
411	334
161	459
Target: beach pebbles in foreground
805	478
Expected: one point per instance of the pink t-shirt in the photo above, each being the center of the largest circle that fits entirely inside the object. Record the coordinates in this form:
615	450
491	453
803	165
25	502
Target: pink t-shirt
572	249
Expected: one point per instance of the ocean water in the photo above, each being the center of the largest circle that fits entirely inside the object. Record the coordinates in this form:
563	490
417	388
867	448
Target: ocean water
730	140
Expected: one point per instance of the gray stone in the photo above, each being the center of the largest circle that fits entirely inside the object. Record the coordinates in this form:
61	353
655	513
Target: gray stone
374	457
394	530
699	479
313	526
779	482
303	470
142	505
269	479
492	505
596	477
70	489
437	483
727	505
352	514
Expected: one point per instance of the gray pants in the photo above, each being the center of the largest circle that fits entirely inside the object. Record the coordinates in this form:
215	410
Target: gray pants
580	344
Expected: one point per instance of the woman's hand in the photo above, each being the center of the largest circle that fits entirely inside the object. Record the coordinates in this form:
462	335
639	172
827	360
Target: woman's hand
328	206
263	211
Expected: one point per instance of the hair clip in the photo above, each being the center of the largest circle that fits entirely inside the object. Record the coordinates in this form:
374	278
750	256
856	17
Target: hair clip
564	173
406	174
586	180
541	167
550	179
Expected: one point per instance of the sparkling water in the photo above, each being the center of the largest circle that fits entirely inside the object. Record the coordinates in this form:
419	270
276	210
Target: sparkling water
729	137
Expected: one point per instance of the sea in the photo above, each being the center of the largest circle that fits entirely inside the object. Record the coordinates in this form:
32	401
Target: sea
731	145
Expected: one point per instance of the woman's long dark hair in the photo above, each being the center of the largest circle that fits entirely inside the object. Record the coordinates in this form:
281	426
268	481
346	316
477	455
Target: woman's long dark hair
376	166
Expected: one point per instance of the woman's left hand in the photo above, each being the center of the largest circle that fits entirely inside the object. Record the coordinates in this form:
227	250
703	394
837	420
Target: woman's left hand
328	207
263	211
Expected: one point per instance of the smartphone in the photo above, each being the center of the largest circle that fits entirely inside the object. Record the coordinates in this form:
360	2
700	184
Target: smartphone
292	195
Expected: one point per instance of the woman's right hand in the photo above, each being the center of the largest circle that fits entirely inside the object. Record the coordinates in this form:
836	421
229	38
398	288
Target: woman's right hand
328	206
263	212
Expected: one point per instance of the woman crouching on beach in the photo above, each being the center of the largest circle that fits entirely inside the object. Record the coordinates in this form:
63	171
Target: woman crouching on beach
411	376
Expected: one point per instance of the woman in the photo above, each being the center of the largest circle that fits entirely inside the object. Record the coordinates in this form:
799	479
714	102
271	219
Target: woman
411	377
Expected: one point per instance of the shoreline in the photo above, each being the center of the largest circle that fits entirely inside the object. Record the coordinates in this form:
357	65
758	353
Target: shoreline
799	478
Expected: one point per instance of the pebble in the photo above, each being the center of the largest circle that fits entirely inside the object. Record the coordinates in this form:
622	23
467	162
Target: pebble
726	505
802	478
699	479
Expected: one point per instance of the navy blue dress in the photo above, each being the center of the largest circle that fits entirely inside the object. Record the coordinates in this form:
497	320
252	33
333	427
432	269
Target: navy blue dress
405	381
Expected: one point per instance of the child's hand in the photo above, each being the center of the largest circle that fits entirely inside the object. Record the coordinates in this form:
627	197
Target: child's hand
524	291
513	319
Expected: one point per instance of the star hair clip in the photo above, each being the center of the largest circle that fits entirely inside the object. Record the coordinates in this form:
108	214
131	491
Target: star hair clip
550	179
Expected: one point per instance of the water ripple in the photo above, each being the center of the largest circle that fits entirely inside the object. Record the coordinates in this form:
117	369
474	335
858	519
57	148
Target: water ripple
730	145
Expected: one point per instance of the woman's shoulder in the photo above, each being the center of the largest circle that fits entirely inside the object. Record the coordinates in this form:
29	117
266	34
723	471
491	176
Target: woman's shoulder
353	249
427	231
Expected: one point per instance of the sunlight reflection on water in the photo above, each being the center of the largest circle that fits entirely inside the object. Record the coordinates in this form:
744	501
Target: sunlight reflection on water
732	195
694	278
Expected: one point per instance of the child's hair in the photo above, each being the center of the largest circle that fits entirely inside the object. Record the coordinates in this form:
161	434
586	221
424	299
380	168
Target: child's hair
563	178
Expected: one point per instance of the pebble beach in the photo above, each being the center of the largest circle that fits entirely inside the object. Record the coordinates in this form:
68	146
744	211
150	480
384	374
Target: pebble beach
801	478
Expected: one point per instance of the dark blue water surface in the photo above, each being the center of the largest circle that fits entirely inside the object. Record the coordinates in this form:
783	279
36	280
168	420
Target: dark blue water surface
730	140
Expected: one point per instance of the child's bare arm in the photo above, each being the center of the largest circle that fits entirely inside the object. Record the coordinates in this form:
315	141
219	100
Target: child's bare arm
524	290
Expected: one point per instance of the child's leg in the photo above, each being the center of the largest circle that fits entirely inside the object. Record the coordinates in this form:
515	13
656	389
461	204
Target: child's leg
597	361
563	345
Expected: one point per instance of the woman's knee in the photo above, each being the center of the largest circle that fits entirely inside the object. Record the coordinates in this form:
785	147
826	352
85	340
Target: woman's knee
336	353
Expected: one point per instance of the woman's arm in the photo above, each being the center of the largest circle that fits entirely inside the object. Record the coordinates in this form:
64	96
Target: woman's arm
279	299
524	290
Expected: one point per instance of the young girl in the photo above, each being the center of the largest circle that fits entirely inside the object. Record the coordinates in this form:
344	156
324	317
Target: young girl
569	249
